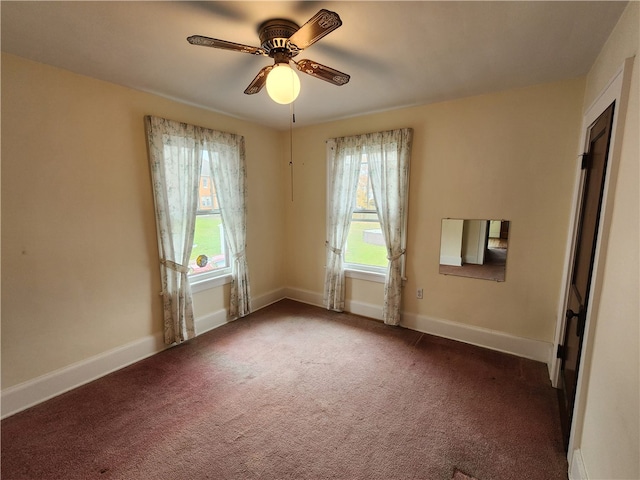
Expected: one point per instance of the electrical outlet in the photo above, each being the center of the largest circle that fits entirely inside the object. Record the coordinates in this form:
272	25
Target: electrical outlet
419	293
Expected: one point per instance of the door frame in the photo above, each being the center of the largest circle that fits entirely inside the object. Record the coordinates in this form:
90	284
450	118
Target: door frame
617	90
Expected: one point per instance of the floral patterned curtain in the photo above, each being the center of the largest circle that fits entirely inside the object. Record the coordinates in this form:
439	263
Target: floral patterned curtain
388	156
227	153
175	159
344	156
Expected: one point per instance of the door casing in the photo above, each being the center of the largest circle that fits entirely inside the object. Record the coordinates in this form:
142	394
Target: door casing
617	90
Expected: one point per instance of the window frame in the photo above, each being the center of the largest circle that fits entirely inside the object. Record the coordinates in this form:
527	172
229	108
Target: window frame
358	271
221	276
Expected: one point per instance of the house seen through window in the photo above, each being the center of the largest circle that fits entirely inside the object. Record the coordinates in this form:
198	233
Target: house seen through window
209	254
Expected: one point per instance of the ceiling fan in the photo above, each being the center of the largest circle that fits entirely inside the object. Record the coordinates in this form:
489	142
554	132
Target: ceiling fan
282	40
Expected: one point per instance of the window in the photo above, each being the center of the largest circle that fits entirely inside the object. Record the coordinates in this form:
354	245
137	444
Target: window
365	249
367	197
210	255
186	163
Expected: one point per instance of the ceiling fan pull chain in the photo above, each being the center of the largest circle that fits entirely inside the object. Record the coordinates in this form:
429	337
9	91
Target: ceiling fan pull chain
292	120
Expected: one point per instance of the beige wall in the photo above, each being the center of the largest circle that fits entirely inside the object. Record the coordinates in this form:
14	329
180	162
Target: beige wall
79	254
609	430
509	155
78	241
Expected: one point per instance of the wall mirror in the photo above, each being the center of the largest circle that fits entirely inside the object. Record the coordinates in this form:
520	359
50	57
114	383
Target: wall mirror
474	248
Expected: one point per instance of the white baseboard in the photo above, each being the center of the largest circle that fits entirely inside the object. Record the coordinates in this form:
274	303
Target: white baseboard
304	296
577	470
27	394
20	397
212	320
313	298
30	393
482	337
365	309
267	299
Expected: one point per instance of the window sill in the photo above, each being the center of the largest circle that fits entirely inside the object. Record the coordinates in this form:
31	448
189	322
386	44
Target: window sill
202	284
365	275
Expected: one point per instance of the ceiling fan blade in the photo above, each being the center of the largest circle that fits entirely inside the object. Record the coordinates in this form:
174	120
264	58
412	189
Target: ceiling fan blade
322	72
225	45
321	24
257	83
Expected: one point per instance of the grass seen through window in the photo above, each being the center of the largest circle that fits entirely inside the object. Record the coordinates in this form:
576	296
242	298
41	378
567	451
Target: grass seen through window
207	239
362	252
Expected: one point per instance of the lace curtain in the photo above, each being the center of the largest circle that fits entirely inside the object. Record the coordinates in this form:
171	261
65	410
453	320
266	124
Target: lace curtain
344	165
227	153
388	154
175	158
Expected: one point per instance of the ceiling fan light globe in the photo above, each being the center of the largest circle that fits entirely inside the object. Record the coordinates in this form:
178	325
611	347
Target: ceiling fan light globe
283	84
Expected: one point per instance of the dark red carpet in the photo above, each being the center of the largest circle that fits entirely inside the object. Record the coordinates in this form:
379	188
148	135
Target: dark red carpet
297	392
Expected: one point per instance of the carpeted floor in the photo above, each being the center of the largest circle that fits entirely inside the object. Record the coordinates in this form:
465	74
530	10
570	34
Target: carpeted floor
494	267
458	475
297	392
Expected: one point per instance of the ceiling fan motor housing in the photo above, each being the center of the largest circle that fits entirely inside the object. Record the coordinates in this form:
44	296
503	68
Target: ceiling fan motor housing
274	35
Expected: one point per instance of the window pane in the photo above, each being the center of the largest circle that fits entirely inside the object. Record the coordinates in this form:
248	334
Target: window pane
209	247
208	240
364	194
365	245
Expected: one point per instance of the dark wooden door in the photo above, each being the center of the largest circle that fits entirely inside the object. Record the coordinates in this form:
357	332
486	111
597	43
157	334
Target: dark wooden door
595	166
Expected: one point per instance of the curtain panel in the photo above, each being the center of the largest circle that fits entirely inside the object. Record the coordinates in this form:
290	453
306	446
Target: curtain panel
229	176
175	158
344	156
388	155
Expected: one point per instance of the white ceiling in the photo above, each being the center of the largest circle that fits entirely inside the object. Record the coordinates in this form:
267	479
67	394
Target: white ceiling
397	53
